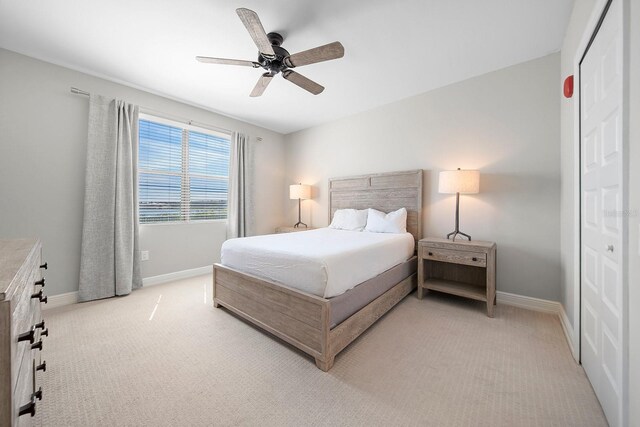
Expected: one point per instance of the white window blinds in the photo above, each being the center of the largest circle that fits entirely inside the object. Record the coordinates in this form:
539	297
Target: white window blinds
183	172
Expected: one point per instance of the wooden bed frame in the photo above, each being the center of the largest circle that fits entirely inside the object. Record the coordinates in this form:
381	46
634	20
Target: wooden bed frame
302	319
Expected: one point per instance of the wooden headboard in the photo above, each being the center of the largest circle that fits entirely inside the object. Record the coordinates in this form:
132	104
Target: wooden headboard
385	192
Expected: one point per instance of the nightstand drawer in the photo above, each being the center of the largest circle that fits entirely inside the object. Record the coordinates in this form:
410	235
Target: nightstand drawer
456	257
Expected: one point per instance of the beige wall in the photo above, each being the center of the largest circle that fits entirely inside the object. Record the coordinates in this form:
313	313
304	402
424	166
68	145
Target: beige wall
582	11
505	123
42	165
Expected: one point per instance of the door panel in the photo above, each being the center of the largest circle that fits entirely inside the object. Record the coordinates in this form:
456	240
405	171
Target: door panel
601	220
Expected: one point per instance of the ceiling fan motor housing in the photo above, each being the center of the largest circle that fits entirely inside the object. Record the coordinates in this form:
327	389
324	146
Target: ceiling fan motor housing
276	39
276	65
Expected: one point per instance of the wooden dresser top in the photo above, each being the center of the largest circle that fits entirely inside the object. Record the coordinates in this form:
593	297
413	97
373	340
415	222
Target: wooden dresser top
13	254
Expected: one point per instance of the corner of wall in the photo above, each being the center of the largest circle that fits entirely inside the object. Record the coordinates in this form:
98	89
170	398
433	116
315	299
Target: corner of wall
569	333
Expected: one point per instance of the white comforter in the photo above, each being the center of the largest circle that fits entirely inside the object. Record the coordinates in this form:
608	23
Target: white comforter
323	262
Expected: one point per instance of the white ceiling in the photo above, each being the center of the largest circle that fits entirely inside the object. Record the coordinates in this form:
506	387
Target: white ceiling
393	49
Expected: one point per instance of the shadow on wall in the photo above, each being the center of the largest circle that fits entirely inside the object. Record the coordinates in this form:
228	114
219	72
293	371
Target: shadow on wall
524	229
427	177
531	267
517	183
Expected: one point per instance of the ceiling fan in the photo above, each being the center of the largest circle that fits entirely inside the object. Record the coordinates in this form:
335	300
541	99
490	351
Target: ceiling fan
275	59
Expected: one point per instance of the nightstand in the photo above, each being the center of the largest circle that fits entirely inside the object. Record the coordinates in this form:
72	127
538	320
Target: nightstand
292	229
463	268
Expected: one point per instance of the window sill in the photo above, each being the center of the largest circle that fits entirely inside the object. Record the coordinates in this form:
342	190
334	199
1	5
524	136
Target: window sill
209	221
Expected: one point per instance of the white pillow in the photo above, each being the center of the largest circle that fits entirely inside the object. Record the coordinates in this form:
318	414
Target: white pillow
349	219
393	222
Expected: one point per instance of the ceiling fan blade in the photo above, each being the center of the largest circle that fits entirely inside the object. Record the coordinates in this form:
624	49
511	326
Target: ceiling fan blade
223	61
327	52
251	21
302	81
262	84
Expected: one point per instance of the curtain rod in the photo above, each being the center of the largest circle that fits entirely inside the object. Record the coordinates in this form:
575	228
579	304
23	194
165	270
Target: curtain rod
167	116
79	92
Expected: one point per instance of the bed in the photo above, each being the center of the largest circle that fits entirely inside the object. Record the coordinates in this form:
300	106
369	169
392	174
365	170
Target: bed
322	318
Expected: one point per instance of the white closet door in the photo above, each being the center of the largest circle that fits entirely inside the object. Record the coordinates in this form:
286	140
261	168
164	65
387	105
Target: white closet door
601	117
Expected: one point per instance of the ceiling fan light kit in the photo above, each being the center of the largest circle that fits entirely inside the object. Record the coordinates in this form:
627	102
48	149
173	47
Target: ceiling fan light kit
273	58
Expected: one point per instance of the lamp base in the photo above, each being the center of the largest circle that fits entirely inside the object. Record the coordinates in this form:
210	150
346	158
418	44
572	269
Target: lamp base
299	223
455	233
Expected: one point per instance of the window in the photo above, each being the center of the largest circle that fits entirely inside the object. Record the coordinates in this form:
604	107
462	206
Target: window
183	172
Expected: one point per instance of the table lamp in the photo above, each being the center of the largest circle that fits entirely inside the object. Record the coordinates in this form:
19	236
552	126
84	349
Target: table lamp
300	192
456	182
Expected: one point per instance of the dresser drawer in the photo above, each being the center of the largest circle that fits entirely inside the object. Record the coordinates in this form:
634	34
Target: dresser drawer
24	391
478	259
25	315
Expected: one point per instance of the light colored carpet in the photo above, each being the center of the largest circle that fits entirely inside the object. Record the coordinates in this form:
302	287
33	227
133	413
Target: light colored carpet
438	362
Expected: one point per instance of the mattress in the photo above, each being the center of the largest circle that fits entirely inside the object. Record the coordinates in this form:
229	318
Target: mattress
323	262
345	305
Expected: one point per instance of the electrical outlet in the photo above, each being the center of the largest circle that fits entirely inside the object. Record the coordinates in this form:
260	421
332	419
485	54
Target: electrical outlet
144	256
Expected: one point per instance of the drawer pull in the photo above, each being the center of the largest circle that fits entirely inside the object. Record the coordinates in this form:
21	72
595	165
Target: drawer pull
39	325
430	253
39	282
40	296
474	259
37	345
45	265
42	367
44	333
28	336
29	408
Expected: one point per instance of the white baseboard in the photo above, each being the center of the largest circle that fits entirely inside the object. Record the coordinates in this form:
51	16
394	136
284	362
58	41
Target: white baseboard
178	275
529	303
568	333
59	300
69	298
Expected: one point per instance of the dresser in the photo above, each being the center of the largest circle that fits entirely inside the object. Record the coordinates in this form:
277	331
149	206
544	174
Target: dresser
22	330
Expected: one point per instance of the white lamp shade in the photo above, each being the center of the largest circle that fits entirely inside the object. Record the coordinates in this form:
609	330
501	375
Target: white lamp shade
459	181
299	191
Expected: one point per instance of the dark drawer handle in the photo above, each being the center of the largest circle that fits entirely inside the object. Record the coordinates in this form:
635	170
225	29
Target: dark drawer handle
39	325
28	336
37	345
39	282
40	296
45	265
29	408
430	253
474	259
44	333
42	367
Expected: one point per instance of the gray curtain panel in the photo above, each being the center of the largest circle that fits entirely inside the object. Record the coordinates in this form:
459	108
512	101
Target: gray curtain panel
110	257
240	199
